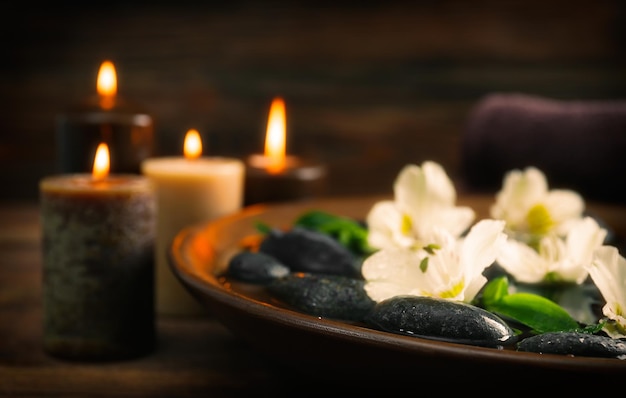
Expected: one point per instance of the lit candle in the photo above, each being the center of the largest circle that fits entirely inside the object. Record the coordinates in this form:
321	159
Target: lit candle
189	190
127	129
98	269
275	176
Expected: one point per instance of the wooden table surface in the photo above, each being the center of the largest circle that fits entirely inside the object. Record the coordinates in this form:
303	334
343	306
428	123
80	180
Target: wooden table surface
195	356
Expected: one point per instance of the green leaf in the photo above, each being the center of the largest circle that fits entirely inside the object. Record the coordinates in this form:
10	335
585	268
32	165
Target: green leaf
263	227
537	312
495	290
347	231
314	219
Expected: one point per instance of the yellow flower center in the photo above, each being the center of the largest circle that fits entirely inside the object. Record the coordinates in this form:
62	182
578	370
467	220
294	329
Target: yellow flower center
407	224
456	289
619	310
539	220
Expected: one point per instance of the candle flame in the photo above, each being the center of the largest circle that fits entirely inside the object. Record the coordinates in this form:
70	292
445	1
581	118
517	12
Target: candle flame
193	144
101	162
107	84
275	138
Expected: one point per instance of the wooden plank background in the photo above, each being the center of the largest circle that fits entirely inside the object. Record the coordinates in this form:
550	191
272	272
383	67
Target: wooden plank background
369	86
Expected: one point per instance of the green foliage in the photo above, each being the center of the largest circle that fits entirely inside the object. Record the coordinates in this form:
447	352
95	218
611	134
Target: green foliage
595	328
540	314
347	231
262	227
424	264
430	248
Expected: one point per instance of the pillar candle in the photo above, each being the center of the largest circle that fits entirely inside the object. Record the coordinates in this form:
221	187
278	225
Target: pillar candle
189	190
98	269
127	129
277	177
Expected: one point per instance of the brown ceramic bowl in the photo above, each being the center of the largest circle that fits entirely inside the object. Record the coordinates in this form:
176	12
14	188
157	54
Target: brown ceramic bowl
199	255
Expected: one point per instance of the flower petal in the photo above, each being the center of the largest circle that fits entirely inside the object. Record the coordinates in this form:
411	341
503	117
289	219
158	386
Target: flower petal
565	207
384	224
608	271
418	189
455	220
581	242
520	191
481	246
390	272
522	262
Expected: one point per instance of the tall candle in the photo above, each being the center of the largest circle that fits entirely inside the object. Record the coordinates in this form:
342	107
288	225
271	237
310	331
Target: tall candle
98	271
107	117
277	177
189	190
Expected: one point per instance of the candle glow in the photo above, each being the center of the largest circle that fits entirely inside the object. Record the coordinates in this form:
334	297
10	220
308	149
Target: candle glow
101	163
107	84
275	138
193	144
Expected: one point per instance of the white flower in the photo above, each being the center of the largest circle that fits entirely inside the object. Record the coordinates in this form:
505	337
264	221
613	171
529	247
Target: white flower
608	272
446	267
554	259
424	199
529	208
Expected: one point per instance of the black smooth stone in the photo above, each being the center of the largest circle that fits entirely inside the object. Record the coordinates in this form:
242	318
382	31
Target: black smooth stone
255	267
305	250
440	319
574	343
330	296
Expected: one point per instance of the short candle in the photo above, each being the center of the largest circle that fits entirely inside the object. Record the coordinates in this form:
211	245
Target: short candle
189	190
277	177
98	269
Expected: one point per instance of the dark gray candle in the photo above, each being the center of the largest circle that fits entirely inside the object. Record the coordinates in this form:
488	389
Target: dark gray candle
98	272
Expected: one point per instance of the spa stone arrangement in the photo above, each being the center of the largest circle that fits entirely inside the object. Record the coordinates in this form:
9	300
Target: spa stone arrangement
540	275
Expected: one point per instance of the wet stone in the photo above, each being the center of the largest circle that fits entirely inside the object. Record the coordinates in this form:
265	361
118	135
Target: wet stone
305	250
576	344
254	267
330	296
440	319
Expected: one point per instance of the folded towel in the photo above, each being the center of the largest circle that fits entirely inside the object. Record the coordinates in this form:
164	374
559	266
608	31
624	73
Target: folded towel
579	145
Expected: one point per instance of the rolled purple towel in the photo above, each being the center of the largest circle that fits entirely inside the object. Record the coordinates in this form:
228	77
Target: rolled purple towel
579	145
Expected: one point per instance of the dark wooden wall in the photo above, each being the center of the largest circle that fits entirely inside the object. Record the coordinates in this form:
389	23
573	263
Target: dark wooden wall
369	86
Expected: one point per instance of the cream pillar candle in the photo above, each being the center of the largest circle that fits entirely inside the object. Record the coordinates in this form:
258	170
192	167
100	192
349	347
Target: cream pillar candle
189	190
